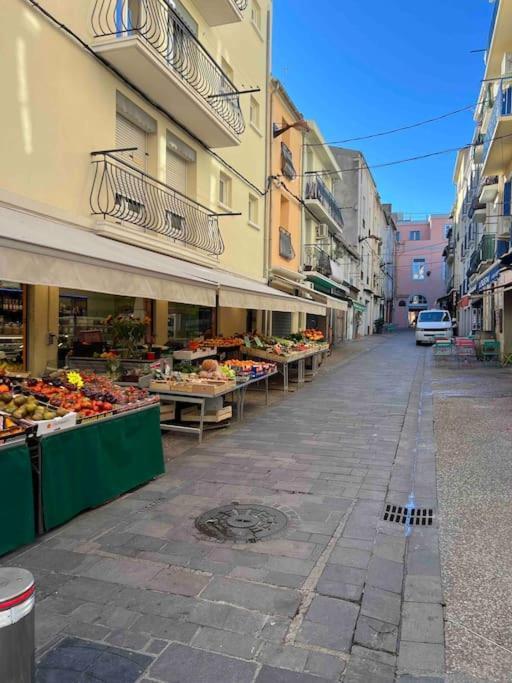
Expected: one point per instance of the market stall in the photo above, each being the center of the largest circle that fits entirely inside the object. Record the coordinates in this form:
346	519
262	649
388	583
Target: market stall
89	440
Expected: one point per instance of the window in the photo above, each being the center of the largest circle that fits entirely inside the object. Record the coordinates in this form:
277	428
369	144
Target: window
253	209
418	269
287	167
286	249
434	317
507	196
414	235
397	236
447	229
255	113
224	190
256	15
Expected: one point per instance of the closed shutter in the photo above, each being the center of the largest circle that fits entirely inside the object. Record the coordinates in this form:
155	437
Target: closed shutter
130	135
507	197
176	172
281	324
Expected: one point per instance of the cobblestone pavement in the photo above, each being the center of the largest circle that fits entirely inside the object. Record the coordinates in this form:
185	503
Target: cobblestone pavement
133	592
474	434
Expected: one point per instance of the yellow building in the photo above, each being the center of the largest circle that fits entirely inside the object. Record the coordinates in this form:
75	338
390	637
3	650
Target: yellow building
133	171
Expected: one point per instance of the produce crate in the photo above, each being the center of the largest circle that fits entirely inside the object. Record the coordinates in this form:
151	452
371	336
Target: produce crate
208	387
193	414
167	411
186	354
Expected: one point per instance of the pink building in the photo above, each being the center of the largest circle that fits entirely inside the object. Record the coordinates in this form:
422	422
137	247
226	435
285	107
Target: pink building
420	278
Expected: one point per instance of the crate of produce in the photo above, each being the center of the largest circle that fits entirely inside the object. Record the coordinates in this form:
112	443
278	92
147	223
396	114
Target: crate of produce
188	354
193	414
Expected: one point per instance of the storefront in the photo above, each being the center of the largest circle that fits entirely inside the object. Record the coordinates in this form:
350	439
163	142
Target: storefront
358	318
13	327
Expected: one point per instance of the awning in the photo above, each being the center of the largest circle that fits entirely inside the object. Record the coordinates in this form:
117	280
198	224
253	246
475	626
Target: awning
36	250
332	302
40	250
359	307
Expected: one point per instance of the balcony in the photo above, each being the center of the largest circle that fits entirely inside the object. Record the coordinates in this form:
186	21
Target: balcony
488	189
496	157
323	270
322	204
489	249
136	208
147	42
222	11
477	209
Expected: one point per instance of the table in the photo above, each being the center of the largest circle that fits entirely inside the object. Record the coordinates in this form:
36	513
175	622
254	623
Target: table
17	525
285	361
87	465
239	393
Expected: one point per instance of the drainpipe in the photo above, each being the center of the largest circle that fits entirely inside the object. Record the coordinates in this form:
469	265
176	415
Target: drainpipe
267	228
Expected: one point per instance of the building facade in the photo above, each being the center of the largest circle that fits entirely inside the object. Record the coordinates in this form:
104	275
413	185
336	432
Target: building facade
133	178
420	266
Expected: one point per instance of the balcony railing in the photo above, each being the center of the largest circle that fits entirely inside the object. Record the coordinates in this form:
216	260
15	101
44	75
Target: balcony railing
317	259
156	22
493	22
502	107
242	4
317	189
489	249
124	193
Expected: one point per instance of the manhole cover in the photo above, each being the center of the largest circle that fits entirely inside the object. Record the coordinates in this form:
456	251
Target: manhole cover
241	523
414	516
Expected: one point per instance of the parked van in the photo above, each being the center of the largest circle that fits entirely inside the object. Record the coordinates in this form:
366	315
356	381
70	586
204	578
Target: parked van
432	325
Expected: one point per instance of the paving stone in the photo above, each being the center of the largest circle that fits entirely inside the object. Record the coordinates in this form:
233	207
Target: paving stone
227	617
425	679
271	675
88	590
284	580
364	667
89	631
124	571
350	557
156	646
329	623
54	559
180	664
423	589
265	599
283	656
152	602
328	666
128	639
421	658
422	623
385	574
225	642
168	629
178	581
376	635
381	605
59	605
275	629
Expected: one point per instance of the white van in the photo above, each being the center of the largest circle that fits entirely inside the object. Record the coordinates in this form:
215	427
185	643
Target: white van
432	325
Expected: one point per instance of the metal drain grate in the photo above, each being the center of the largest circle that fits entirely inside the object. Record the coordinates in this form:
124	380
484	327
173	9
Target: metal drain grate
241	523
414	516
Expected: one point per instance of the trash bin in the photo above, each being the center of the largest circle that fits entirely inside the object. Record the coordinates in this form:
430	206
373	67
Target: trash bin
17	598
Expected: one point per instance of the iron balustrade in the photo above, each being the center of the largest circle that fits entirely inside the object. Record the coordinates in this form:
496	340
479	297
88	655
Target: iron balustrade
125	193
317	259
317	189
502	107
241	4
157	23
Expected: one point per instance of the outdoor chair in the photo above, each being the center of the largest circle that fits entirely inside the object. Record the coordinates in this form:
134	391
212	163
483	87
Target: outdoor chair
507	359
490	351
442	350
465	351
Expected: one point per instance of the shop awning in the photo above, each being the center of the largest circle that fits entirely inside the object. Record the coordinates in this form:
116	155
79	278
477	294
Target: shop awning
37	250
332	302
358	307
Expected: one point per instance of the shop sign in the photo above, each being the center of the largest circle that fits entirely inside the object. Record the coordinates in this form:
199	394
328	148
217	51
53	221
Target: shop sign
464	302
488	278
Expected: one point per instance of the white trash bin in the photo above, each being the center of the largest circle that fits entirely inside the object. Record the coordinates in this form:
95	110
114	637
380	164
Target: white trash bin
17	599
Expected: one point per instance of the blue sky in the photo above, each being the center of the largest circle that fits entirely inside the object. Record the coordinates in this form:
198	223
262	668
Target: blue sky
365	65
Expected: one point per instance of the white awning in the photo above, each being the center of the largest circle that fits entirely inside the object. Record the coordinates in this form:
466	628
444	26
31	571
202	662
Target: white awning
332	302
39	250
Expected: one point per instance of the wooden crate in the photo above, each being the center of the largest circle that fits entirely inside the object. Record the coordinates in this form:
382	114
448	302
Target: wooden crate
167	411
209	387
193	414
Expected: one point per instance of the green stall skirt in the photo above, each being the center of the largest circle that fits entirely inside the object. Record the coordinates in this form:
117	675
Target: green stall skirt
85	467
17	525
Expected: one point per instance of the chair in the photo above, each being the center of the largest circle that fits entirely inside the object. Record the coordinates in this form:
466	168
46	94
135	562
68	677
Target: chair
465	350
442	350
507	359
490	351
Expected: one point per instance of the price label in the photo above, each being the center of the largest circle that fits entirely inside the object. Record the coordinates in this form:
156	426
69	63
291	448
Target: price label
247	341
258	342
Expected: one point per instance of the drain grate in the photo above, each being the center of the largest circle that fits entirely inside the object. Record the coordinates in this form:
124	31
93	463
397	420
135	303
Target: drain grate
415	516
241	523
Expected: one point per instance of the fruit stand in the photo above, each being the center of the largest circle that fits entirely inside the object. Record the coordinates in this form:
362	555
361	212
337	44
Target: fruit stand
70	442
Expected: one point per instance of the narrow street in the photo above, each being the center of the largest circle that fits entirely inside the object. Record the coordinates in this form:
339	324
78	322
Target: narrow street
339	594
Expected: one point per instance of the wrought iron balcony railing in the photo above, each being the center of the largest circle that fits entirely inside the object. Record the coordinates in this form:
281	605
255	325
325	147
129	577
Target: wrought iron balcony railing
502	107
317	189
157	23
124	193
242	4
317	259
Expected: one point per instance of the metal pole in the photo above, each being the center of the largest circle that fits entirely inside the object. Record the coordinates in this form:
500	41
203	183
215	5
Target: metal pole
17	599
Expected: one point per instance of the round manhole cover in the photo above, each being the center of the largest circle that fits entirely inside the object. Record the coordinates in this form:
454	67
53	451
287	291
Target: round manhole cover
241	523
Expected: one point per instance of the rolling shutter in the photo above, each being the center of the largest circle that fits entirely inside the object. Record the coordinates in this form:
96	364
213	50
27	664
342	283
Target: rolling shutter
130	135
176	172
281	324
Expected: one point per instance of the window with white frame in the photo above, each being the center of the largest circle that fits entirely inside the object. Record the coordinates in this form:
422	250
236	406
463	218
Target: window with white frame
253	210
414	235
225	189
255	112
256	14
418	269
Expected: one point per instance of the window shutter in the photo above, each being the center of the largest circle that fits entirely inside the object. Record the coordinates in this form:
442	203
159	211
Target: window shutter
130	135
507	195
281	324
176	172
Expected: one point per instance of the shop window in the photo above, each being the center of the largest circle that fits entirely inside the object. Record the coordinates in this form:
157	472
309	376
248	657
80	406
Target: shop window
253	210
418	269
187	321
225	190
12	325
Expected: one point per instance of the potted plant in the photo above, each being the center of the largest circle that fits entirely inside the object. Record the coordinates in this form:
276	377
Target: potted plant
127	333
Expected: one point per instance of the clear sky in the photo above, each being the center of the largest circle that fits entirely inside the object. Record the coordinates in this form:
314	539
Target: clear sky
361	66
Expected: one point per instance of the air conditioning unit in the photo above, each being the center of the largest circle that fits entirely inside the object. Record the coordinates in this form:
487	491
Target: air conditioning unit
322	231
506	64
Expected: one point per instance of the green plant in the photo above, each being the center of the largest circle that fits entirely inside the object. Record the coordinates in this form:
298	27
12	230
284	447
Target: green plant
127	332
